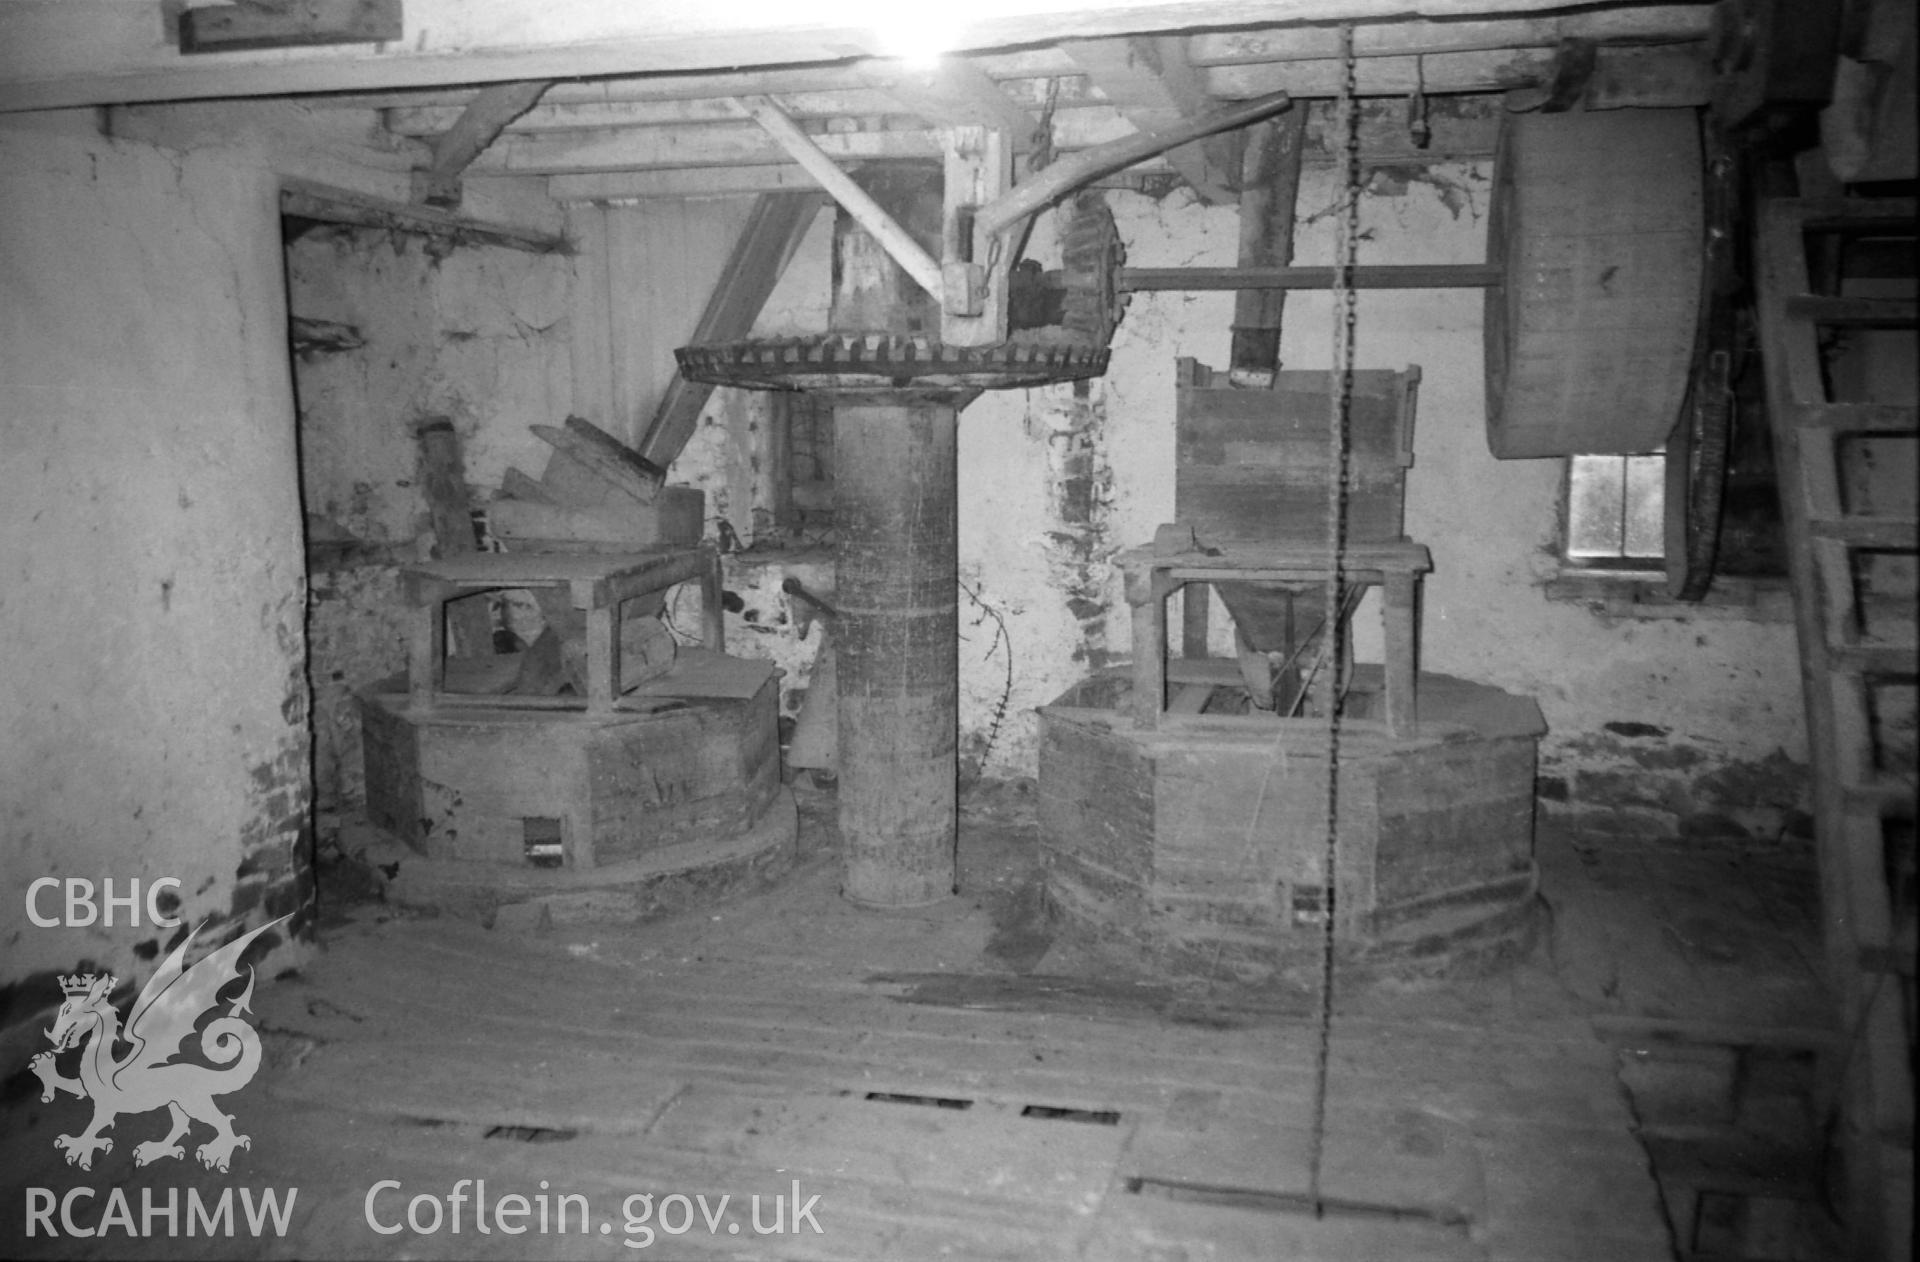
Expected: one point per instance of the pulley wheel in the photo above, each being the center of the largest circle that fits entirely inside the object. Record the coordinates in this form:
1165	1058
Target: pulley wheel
1596	220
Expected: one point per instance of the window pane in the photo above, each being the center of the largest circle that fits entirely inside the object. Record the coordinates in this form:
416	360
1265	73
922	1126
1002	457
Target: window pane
1595	489
1646	506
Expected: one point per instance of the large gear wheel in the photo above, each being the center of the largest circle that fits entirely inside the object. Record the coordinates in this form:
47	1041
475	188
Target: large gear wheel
876	361
1091	255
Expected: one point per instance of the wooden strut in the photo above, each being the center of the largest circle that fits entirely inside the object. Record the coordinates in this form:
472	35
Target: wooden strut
1005	213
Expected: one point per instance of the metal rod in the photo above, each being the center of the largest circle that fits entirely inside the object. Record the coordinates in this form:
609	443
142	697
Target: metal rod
1376	276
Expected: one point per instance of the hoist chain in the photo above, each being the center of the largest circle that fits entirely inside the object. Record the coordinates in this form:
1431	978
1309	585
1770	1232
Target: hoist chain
1340	401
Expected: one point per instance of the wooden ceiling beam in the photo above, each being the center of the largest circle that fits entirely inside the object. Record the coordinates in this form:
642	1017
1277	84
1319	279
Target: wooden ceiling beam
551	116
67	53
307	200
1639	24
1683	66
955	93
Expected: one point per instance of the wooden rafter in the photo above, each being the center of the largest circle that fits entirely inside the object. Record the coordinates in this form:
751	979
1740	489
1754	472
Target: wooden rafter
955	93
767	242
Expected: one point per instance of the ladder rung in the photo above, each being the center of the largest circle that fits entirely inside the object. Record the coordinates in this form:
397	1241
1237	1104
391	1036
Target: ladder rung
1868	532
1876	659
1886	959
1861	418
1822	309
1882	798
1878	215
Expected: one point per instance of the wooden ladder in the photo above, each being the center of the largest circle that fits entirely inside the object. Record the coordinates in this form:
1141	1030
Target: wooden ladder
1854	643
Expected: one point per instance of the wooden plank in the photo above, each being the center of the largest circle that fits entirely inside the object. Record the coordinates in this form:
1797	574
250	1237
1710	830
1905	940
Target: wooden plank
610	459
228	28
1203	1223
1649	23
680	182
1862	418
1470	71
515	485
307	200
955	92
629	103
767	243
699	672
1868	532
1190	698
1852	312
676	517
54	55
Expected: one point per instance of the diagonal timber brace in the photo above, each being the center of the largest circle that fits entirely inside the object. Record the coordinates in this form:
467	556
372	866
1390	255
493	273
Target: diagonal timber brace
983	207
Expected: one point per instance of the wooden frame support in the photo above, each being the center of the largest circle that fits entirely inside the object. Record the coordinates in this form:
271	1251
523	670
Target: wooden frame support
305	199
897	241
1064	176
1153	82
980	161
974	265
772	235
485	117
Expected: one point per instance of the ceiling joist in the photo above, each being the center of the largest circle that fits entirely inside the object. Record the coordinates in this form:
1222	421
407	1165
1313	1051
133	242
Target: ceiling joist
63	53
956	93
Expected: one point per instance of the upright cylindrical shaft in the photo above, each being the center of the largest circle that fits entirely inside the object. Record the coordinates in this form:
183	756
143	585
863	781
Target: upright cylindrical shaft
897	584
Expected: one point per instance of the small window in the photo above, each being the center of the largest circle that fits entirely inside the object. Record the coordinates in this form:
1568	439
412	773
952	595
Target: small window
1616	510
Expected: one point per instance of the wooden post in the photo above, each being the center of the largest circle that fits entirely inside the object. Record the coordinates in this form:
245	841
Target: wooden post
443	481
974	283
713	614
427	652
1398	623
897	591
603	657
1195	602
1147	592
773	232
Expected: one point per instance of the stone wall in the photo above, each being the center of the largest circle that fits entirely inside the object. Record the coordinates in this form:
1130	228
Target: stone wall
476	334
152	589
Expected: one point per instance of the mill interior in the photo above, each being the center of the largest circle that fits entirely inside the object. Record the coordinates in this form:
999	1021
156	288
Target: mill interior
1139	631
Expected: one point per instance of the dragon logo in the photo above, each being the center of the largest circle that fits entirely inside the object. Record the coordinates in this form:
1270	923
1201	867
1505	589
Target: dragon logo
162	1018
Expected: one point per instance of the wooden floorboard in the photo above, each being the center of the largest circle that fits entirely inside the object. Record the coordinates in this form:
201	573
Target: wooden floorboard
1069	1134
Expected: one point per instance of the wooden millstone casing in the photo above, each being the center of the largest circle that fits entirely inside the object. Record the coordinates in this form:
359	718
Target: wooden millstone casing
460	782
1202	842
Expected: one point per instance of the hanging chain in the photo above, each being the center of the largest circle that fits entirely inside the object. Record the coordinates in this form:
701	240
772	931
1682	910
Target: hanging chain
1340	401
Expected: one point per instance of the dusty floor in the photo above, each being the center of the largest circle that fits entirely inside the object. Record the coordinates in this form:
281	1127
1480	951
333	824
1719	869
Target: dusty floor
958	1082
